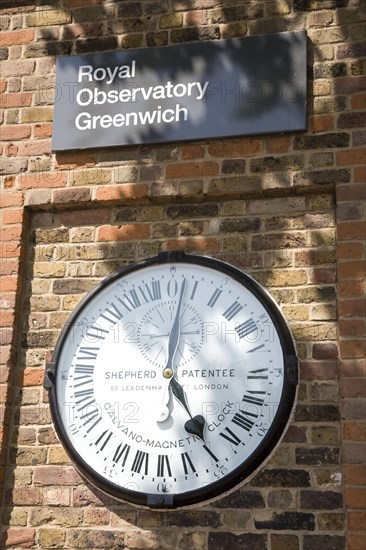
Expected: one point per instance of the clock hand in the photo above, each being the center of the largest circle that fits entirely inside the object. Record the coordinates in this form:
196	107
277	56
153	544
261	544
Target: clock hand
196	424
173	341
174	333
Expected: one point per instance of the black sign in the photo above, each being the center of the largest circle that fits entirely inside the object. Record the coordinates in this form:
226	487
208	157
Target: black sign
236	87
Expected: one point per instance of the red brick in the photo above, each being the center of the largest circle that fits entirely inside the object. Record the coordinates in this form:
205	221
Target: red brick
6	318
235	148
15	132
355	542
353	348
17	68
68	161
354	452
11	199
347	290
8	284
69	196
85	217
9	267
353	387
351	230
32	377
202	244
192	170
121	192
325	351
355	474
349	192
43	130
317	370
357	521
34	148
359	101
16	37
356	431
124	232
56	475
42	180
351	156
10	250
350	250
278	144
9	101
10	216
349	84
322	123
11	233
355	497
359	175
20	536
352	327
192	151
352	269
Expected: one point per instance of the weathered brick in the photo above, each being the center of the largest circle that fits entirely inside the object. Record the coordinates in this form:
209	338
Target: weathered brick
15	132
326	542
217	541
125	232
48	18
20	536
191	169
37	114
288	521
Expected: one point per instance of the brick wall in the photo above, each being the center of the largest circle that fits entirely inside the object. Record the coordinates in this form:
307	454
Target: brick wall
288	209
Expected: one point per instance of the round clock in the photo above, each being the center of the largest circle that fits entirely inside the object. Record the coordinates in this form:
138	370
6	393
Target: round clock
173	381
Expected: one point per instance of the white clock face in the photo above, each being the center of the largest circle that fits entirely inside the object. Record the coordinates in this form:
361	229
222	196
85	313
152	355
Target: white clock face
169	382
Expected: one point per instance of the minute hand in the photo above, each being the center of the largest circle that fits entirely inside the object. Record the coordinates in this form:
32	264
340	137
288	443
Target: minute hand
174	333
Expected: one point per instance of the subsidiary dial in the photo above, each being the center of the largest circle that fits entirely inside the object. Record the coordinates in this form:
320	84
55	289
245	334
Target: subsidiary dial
155	327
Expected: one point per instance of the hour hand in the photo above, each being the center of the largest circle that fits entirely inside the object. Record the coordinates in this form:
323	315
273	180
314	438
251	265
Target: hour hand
196	424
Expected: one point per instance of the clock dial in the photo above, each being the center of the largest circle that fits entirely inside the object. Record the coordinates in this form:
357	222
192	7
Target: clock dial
173	381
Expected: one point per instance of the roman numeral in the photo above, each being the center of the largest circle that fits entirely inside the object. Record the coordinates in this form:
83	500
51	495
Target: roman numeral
87	381
93	420
194	290
258	374
112	314
121	453
256	348
230	436
84	395
141	462
85	354
246	328
151	291
254	400
187	464
130	301
97	332
103	439
208	450
163	466
88	352
241	419
232	311
215	296
84	369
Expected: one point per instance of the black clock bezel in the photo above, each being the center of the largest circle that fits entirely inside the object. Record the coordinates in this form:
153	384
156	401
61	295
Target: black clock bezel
247	468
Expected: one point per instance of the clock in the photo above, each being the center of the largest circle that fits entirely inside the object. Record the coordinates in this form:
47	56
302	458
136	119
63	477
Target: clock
173	381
